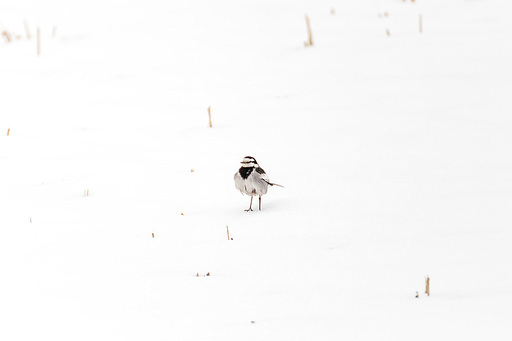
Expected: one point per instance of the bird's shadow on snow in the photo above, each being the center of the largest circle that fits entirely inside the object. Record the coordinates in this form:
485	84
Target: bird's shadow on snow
270	206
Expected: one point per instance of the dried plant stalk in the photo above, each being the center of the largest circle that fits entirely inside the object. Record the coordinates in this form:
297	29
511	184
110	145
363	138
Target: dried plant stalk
7	36
38	41
310	35
27	30
210	116
227	229
427	286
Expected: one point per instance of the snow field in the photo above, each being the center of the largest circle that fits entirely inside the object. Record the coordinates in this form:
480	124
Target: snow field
394	152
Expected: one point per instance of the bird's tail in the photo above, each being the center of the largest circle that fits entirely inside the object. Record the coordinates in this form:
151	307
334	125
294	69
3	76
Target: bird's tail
272	184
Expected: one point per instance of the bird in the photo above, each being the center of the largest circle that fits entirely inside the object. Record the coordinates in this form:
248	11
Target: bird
252	180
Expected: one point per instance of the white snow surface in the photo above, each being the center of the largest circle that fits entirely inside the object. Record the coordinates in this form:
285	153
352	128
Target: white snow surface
394	150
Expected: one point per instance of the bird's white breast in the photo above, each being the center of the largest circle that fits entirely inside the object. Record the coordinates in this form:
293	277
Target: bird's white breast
254	185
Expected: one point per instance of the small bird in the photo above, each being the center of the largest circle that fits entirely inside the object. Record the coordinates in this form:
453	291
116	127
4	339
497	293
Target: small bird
252	180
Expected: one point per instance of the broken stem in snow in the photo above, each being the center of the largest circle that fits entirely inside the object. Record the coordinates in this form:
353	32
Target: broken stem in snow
38	41
210	116
310	35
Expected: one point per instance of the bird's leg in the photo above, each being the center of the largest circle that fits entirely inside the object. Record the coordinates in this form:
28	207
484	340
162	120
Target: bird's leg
260	202
250	205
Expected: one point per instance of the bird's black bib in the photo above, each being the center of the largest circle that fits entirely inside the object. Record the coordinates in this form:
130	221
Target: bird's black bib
245	172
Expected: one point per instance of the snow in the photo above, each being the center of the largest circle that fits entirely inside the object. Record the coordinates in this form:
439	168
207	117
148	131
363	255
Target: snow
394	152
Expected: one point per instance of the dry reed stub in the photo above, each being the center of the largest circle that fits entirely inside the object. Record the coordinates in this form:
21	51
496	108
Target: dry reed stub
227	229
38	41
427	285
309	42
210	116
8	131
7	36
203	275
27	30
152	235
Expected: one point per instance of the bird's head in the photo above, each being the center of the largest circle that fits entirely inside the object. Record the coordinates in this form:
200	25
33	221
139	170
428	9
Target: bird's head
249	161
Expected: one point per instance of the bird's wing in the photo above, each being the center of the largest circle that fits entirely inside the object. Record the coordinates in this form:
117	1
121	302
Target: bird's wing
265	178
262	174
